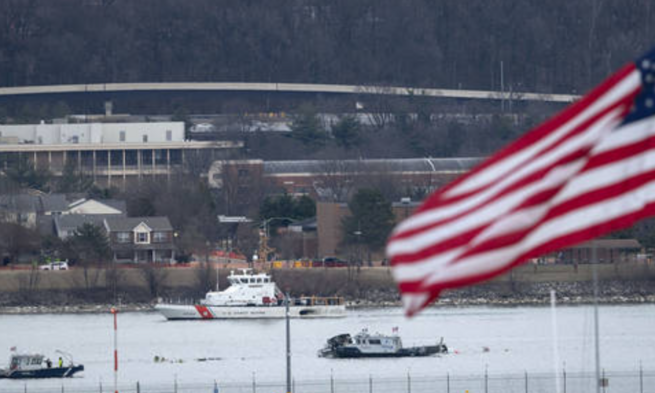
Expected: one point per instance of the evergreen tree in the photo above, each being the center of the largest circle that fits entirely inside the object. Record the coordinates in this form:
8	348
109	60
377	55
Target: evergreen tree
307	128
371	220
347	132
88	246
22	172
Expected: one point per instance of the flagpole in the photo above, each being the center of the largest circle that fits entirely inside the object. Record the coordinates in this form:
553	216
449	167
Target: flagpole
555	339
594	261
286	305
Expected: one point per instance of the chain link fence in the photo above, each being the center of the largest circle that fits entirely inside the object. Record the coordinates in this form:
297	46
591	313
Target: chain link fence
611	382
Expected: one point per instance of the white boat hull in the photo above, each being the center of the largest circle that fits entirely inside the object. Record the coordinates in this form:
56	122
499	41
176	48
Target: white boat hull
177	312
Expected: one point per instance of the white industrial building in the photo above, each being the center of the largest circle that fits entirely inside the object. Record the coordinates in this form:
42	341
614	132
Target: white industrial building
91	133
114	154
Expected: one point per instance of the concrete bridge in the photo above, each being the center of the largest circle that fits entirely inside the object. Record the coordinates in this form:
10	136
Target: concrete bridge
284	88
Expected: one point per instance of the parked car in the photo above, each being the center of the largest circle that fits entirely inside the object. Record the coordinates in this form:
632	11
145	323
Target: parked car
203	127
59	265
333	262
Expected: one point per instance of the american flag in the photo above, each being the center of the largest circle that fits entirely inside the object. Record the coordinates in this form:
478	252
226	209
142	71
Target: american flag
585	172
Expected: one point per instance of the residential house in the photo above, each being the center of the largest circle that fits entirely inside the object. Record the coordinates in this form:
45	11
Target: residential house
19	209
57	211
65	226
140	239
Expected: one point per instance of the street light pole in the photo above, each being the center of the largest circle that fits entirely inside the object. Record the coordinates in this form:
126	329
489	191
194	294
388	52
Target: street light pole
358	233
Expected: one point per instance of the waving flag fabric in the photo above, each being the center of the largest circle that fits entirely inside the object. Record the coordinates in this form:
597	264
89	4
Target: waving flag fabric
585	172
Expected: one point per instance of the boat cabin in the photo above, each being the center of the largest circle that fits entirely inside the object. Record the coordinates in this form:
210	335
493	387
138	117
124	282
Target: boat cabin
25	362
246	289
247	277
389	343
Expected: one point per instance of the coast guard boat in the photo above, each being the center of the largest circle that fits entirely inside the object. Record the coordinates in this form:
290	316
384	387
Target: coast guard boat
253	295
37	366
365	345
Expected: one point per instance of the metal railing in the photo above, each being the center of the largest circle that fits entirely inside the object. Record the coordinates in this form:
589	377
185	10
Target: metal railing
638	381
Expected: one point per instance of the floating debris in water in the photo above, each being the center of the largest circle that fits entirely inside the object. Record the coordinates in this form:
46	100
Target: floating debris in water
207	359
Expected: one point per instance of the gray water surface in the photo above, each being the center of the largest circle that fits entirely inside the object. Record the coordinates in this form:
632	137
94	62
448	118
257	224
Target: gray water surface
518	339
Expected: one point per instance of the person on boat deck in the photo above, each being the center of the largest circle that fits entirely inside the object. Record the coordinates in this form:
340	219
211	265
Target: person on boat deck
48	363
61	362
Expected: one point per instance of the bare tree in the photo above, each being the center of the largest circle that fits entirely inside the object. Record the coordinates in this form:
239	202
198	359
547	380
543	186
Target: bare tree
28	283
380	175
337	179
196	163
379	105
155	277
113	279
247	239
205	277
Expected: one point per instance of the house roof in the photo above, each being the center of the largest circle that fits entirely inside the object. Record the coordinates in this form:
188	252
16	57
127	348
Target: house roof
113	203
53	202
21	203
71	222
127	224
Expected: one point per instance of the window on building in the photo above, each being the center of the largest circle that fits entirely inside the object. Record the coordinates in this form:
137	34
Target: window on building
142	237
169	135
121	136
123	237
145	138
243	172
159	237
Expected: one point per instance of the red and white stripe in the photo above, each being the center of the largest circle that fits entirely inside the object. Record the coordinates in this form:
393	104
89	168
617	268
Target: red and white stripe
573	178
204	312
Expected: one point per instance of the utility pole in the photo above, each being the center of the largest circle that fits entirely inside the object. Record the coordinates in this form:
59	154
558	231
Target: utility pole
114	311
594	261
288	343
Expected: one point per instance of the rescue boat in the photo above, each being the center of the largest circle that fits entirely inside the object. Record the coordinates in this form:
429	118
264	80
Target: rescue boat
253	296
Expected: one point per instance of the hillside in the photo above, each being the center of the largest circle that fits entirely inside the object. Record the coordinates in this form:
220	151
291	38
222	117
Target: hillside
555	46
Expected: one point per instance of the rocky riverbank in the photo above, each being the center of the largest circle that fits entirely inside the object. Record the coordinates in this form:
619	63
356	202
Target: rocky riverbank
572	293
517	294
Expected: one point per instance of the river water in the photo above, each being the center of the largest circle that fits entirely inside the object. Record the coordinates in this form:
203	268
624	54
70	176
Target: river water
498	341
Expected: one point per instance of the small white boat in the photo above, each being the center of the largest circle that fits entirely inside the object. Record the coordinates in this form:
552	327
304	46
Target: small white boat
253	296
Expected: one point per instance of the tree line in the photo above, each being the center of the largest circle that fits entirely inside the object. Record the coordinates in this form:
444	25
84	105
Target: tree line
556	46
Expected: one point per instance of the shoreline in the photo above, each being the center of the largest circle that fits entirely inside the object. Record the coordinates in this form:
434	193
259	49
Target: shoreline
350	305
